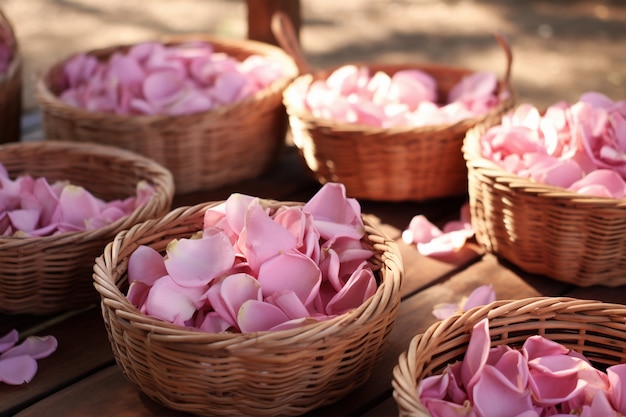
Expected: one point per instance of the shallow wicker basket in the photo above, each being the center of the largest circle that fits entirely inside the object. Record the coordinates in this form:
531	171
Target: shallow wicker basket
203	150
592	328
10	86
543	229
395	164
285	372
41	275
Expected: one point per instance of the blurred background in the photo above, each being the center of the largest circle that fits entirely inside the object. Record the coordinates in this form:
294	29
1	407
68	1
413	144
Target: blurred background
561	48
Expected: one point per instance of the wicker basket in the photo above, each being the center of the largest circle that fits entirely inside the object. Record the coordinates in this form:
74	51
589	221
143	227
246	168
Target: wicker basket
284	372
544	229
10	87
203	150
395	164
41	275
592	328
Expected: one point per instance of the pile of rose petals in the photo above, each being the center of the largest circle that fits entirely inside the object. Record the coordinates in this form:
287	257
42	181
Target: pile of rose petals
432	241
152	78
34	207
408	98
580	146
255	269
18	362
541	379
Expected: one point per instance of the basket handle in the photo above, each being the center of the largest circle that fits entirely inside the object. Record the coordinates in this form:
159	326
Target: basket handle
509	58
285	34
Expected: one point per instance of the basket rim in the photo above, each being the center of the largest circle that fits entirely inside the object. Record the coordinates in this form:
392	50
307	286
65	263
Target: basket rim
87	148
47	97
490	169
305	80
112	297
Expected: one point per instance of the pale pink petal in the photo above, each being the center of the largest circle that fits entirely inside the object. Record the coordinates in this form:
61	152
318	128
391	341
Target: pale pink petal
359	287
18	370
227	295
170	302
227	87
476	354
291	271
24	220
445	310
446	243
420	230
617	390
480	296
9	340
145	265
137	294
493	392
162	88
263	238
601	182
334	214
289	302
35	346
212	322
258	316
195	262
76	205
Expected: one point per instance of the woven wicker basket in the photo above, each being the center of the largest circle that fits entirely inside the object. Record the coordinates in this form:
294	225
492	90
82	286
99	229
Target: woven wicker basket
544	229
396	164
40	275
592	328
285	372
10	87
203	150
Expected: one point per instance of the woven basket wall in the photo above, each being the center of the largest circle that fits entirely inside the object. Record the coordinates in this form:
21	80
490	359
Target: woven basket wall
10	87
285	372
204	150
593	328
543	229
396	164
41	275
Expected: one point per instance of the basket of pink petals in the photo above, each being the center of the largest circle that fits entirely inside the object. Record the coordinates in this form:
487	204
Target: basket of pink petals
10	83
543	356
391	132
250	306
60	204
208	109
547	189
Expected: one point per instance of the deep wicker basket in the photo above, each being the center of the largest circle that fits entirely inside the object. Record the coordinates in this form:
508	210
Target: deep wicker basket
543	229
593	328
395	164
284	372
203	150
41	275
10	86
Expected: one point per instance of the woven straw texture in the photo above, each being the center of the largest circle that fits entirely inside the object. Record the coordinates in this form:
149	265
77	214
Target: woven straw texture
395	164
40	275
268	373
593	328
544	229
10	87
202	150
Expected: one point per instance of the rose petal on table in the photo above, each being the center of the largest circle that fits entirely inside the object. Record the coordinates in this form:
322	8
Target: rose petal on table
420	230
9	340
18	370
37	347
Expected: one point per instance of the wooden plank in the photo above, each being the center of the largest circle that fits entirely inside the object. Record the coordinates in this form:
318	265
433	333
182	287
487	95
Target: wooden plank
105	393
83	348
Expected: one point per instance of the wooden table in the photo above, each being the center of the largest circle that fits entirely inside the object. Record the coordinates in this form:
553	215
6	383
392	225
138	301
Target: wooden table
82	379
